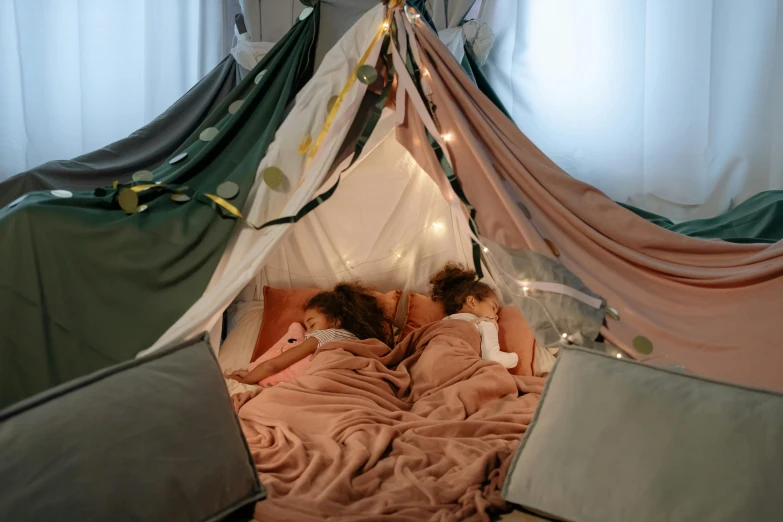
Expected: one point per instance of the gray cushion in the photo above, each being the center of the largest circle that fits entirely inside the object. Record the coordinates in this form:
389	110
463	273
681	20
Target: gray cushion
541	309
615	440
155	438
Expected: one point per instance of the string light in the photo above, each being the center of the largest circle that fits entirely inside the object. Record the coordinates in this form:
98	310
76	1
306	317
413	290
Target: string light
438	226
619	356
398	254
386	26
486	250
426	72
564	335
447	136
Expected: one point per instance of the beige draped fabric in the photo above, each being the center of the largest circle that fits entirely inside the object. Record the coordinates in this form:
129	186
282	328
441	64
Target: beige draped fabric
711	306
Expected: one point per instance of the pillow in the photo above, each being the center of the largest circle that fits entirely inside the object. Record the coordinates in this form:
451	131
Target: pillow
616	440
283	306
237	349
152	438
515	335
543	308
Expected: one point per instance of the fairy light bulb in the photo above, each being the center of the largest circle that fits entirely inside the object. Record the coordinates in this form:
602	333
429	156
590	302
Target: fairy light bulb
385	26
564	335
619	356
398	254
486	250
447	137
438	226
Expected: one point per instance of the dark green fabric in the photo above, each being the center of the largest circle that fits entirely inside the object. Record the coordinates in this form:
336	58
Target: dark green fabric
84	286
470	64
756	220
145	149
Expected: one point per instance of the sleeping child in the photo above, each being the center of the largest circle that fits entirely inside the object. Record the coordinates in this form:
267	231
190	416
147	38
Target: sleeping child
347	312
465	298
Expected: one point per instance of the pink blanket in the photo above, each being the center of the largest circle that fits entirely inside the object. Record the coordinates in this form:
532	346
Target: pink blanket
421	432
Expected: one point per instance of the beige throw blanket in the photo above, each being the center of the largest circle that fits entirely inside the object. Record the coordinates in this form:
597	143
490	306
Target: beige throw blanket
421	432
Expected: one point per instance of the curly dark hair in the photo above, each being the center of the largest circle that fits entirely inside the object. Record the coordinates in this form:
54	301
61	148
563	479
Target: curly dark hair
453	284
358	311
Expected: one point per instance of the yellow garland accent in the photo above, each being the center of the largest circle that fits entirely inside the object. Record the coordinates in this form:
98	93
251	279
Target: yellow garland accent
226	205
344	92
329	120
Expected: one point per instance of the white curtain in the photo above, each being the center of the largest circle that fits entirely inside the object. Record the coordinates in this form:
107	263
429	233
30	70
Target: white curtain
76	75
672	105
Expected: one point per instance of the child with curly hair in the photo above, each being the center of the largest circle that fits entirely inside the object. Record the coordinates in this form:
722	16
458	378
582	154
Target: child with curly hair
465	298
349	312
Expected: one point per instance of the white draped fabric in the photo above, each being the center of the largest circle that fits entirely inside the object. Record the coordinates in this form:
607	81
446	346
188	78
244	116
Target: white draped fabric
76	75
673	106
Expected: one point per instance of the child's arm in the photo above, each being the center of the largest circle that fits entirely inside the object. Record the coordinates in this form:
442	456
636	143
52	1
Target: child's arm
490	346
277	364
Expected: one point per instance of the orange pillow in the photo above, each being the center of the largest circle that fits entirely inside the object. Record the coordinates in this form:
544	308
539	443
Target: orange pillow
514	333
283	306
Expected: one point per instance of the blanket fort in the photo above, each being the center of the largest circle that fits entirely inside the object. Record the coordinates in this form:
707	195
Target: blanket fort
424	431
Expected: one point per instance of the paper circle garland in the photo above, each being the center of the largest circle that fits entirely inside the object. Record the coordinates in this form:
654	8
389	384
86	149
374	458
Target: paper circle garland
235	106
178	158
141	208
208	134
305	13
61	193
524	209
228	190
273	177
330	103
142	175
180	198
642	345
611	312
128	200
366	74
259	76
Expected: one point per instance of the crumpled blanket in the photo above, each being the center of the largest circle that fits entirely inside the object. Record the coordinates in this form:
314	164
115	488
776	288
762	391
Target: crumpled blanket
424	431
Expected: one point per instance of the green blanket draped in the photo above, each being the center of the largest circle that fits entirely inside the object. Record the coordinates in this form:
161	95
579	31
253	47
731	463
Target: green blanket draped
83	285
756	220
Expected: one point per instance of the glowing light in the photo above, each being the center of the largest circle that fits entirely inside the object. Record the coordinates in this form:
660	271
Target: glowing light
426	72
564	336
447	137
486	250
398	254
386	26
619	356
525	289
438	226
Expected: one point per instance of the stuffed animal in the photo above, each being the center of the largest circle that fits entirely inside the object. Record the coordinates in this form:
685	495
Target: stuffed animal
292	337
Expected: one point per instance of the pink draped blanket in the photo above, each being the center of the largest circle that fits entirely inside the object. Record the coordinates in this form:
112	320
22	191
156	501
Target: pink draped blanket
425	431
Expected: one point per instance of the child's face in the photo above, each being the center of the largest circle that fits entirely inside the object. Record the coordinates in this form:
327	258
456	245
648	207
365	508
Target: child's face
487	307
314	320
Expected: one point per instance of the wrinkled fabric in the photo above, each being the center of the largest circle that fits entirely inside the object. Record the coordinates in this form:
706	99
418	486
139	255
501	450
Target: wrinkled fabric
145	149
424	431
84	285
711	306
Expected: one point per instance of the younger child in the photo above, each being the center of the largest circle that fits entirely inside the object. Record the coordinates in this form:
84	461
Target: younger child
347	312
465	298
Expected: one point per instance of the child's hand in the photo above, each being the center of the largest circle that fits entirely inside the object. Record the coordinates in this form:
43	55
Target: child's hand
239	376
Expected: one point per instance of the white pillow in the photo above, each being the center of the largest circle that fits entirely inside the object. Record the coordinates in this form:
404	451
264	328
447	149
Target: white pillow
237	349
